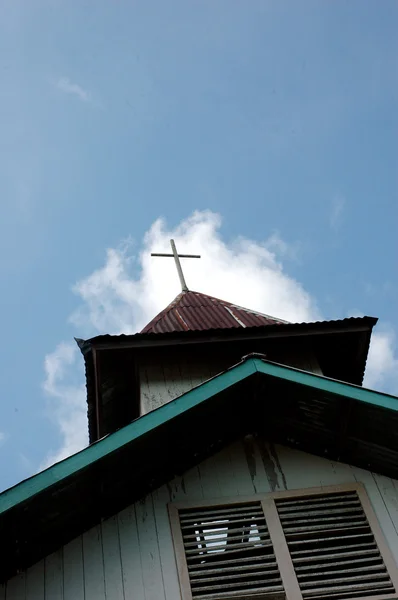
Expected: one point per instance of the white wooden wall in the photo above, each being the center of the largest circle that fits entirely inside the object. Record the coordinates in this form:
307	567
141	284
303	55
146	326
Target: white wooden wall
131	556
163	381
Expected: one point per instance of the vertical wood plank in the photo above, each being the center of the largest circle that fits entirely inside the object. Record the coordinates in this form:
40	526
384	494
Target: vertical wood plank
281	551
220	464
189	375
181	488
74	570
35	582
169	386
175	384
130	551
187	486
243	473
190	485
208	478
160	383
388	489
381	541
178	543
152	387
16	588
94	582
303	470
198	373
150	559
300	470
261	465
156	385
379	506
53	565
144	389
112	559
161	497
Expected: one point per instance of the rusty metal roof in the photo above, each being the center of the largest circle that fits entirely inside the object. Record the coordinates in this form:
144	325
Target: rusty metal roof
193	311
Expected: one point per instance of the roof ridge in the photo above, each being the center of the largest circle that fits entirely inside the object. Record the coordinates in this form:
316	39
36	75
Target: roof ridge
164	312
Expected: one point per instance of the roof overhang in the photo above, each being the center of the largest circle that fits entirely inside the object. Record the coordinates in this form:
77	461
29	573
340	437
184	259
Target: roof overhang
285	405
341	347
279	330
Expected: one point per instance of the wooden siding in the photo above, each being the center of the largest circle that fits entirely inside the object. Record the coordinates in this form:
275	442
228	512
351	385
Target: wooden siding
163	381
131	555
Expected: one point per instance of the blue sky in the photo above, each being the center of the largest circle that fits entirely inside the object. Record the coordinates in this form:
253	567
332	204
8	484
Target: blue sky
279	117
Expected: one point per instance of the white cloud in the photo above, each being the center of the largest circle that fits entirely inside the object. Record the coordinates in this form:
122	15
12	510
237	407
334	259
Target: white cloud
128	290
3	437
124	294
382	365
67	406
66	85
132	287
338	206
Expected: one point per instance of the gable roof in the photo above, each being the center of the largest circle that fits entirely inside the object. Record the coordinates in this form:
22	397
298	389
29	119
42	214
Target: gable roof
350	424
194	311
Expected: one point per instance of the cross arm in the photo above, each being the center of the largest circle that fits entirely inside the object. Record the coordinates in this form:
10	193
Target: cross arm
179	256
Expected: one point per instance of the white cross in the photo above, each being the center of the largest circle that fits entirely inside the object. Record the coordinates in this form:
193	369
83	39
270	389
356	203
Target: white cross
177	257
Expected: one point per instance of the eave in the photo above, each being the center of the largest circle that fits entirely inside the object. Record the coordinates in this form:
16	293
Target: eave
279	330
341	347
313	413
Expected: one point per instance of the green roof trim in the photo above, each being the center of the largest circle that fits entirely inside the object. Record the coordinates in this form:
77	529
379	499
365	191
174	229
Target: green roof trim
324	384
83	459
38	483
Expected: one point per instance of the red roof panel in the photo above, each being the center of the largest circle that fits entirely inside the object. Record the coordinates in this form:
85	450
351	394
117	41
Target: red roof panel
193	311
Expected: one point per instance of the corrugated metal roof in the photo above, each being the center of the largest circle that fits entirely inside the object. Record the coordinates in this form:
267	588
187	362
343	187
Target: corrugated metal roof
85	345
193	311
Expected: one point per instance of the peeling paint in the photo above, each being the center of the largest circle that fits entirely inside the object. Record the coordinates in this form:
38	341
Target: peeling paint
248	446
269	465
144	514
278	464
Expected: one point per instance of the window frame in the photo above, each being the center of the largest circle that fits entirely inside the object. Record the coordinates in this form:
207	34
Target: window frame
283	558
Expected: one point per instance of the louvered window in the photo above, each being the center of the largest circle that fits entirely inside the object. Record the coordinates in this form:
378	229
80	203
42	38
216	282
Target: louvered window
311	544
228	551
333	549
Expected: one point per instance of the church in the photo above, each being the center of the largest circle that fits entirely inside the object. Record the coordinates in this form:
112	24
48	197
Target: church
232	456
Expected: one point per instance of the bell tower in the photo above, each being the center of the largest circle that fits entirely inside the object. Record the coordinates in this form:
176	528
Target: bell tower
198	336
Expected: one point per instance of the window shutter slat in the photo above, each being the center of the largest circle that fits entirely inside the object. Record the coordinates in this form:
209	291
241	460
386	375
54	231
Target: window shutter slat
229	553
234	530
333	549
234	518
271	593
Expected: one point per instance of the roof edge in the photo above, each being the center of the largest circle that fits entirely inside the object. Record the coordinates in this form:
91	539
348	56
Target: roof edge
155	339
59	471
38	483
